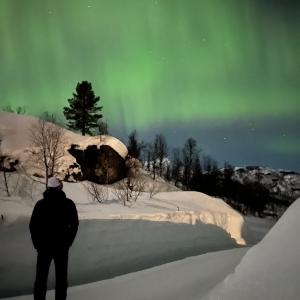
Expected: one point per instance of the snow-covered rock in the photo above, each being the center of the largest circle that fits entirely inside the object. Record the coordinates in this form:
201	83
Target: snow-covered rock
16	143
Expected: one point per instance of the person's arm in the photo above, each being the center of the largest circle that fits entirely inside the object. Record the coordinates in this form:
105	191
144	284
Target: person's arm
73	224
34	225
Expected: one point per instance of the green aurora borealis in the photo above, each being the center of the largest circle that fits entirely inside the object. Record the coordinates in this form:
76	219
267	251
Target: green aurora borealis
158	62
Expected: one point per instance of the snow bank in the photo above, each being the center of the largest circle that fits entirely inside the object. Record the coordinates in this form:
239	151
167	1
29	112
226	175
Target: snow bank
176	207
270	270
190	208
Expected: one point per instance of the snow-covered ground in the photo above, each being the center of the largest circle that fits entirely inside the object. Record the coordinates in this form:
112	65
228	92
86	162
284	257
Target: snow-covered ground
269	270
114	239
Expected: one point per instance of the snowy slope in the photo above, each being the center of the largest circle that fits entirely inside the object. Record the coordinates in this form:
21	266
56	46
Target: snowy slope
15	134
15	130
270	270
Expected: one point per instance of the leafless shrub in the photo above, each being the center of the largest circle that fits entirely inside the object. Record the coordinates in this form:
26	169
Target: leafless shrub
3	169
134	167
129	190
47	138
98	192
153	189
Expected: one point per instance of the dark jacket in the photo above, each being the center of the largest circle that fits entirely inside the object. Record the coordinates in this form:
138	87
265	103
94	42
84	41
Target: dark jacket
54	222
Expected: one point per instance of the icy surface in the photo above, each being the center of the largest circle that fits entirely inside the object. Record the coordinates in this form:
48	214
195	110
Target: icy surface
187	279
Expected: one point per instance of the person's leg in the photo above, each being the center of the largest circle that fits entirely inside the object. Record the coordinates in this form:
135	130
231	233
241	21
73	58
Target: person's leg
61	273
42	270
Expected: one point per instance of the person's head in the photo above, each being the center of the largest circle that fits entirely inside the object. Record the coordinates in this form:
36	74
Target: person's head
54	183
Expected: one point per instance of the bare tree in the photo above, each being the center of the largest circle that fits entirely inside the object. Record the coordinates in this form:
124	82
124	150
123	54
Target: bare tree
209	164
134	167
189	154
147	156
52	118
161	150
176	166
20	110
134	146
3	168
102	129
129	190
98	192
47	138
153	189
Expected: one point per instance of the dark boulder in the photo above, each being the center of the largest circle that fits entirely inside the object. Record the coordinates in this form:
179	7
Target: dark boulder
101	165
8	164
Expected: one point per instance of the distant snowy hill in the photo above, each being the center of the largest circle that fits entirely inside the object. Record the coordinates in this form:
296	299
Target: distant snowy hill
284	185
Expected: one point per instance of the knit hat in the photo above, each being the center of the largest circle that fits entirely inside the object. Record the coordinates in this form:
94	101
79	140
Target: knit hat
53	182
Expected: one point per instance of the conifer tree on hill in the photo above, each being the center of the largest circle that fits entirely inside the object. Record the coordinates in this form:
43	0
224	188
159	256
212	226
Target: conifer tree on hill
83	113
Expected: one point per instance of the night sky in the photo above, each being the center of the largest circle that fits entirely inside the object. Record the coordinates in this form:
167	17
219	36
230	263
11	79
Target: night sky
225	72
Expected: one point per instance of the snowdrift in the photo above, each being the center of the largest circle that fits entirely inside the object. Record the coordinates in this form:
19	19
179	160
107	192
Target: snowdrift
270	270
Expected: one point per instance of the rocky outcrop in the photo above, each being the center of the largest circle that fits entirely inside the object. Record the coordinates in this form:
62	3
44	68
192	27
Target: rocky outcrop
100	164
284	185
8	164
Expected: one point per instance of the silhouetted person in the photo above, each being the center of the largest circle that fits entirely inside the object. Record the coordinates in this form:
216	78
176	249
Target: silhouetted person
53	227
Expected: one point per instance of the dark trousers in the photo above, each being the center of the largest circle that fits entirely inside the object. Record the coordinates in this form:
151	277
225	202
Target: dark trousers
61	273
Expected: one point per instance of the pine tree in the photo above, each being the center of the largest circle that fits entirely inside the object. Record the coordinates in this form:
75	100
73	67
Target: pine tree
189	153
134	146
83	113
